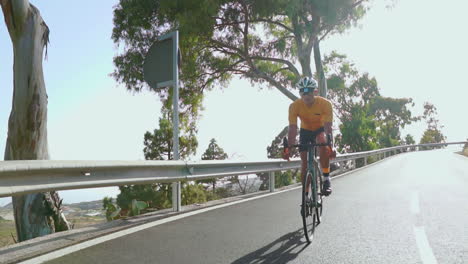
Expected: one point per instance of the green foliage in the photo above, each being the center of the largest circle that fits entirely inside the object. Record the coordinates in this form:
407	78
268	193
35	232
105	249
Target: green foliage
158	145
222	192
409	140
432	136
358	131
134	199
430	115
112	210
265	178
433	133
137	207
219	193
368	120
260	40
282	178
275	150
193	193
285	178
156	195
392	114
372	159
213	152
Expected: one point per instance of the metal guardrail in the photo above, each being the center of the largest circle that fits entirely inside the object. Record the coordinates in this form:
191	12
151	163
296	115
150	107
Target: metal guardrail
21	177
32	176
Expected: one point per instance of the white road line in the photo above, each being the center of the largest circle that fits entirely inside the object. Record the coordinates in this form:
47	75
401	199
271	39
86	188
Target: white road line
68	250
415	203
425	250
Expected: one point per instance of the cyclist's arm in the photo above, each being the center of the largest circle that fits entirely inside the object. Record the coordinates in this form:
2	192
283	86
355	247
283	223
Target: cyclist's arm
292	132
328	119
328	128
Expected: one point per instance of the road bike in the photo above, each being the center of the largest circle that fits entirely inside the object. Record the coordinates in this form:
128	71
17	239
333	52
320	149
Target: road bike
312	195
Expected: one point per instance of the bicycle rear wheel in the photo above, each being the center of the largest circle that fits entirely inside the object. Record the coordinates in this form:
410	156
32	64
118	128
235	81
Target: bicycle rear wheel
308	211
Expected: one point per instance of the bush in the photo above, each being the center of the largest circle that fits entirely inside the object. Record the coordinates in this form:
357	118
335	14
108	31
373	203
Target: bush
193	193
284	178
157	195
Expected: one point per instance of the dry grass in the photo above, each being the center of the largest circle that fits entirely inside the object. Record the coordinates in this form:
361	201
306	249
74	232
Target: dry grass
7	228
79	222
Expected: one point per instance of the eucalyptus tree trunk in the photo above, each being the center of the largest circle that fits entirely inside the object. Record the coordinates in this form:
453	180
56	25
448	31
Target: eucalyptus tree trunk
35	214
319	67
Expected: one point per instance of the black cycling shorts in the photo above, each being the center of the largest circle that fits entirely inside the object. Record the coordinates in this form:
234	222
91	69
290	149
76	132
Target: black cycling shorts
308	137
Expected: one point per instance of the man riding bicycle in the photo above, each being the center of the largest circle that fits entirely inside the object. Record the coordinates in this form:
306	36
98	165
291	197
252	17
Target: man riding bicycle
316	114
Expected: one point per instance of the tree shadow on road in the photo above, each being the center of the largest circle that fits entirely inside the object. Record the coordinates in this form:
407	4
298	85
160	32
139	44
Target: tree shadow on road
282	250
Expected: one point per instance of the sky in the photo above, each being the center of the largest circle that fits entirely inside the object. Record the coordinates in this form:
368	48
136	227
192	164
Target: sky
415	49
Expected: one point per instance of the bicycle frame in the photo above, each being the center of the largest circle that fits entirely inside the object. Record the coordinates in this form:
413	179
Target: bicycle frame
310	207
311	159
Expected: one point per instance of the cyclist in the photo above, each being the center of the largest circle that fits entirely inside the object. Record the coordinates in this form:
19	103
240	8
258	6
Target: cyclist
316	114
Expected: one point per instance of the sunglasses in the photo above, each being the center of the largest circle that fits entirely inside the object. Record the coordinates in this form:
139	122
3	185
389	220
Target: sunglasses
306	90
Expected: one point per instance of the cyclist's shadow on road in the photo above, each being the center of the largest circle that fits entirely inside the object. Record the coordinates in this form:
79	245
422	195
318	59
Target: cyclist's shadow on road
282	250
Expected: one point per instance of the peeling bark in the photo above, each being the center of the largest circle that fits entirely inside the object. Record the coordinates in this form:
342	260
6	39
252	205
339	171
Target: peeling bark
35	214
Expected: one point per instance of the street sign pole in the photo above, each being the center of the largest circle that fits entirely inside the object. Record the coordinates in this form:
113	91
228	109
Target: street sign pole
161	70
176	186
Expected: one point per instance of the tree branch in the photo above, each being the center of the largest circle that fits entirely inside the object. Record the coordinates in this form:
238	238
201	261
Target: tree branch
224	45
331	27
223	70
290	65
270	21
275	23
272	81
297	34
246	34
281	69
326	33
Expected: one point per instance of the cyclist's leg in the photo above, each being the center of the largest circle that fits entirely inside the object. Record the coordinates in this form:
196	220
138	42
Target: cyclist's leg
305	137
303	165
324	155
324	162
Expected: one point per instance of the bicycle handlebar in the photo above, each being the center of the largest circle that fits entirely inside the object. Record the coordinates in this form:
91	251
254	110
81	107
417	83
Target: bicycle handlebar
286	145
309	145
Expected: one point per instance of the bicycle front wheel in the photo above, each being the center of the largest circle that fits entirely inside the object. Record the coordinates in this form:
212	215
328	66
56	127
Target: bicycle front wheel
319	208
308	210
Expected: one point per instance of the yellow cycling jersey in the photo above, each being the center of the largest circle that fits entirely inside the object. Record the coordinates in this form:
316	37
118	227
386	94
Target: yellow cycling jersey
313	117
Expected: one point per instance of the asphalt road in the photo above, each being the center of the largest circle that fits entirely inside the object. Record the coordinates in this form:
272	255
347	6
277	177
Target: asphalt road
411	208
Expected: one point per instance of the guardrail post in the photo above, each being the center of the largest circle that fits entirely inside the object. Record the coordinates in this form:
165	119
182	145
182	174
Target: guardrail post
365	161
394	152
272	181
176	197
